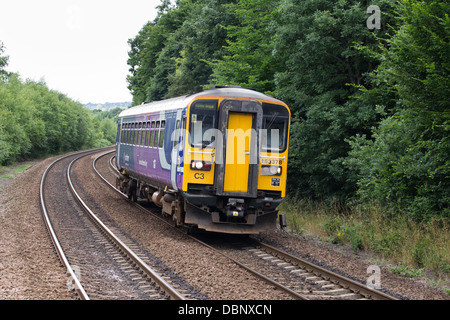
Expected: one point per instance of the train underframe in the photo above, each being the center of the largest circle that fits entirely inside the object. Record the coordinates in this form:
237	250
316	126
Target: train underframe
200	208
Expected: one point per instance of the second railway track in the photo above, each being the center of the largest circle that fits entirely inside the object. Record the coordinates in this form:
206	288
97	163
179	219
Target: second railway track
299	278
100	264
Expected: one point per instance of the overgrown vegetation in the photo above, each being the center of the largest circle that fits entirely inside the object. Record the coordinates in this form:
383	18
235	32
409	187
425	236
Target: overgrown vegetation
411	247
36	121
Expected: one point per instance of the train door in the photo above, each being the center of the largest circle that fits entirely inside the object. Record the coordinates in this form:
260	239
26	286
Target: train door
177	144
239	122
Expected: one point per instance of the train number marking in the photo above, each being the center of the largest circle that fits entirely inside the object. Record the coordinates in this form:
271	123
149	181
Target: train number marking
271	161
200	176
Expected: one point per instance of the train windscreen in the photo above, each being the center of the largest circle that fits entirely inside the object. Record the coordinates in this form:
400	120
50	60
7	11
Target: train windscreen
275	128
203	116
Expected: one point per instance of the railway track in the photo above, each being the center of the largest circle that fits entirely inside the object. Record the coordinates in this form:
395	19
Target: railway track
100	262
299	278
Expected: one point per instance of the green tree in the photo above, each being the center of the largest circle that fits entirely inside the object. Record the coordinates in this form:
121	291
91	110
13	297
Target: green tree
36	121
153	52
406	164
316	42
203	37
3	62
248	60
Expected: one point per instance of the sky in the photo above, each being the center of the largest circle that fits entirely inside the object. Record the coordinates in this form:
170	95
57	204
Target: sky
77	47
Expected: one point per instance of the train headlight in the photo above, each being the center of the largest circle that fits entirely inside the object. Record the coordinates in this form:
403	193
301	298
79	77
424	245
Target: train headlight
200	165
271	170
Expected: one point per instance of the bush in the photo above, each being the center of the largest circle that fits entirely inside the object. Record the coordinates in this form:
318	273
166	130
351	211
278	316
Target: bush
36	121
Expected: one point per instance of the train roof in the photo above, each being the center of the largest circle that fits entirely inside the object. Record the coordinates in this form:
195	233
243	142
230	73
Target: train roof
183	101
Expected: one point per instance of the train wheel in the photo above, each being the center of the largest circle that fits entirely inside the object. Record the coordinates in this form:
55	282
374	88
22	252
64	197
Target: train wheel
132	195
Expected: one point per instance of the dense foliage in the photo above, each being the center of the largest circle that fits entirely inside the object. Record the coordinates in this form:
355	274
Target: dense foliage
36	121
406	163
370	106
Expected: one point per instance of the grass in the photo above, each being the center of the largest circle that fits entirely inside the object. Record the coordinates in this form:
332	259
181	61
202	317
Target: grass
414	248
11	171
21	168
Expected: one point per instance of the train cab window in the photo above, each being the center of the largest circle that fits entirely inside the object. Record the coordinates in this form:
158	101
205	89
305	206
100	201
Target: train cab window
155	144
275	127
152	133
161	134
203	116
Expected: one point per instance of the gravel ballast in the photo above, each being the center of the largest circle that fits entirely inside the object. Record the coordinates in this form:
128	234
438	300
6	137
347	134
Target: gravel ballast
30	269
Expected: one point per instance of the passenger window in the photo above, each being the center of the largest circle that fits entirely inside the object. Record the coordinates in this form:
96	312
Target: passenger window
132	134
176	134
152	132
147	134
136	133
161	134
128	133
155	144
141	142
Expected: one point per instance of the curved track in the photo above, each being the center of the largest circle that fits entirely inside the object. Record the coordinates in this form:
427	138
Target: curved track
100	263
299	278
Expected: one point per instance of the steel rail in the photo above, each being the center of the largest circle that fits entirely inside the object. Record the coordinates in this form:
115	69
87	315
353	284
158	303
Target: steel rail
59	250
256	273
343	281
354	286
163	284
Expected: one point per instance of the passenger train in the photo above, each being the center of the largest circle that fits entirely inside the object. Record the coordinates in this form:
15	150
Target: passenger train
215	160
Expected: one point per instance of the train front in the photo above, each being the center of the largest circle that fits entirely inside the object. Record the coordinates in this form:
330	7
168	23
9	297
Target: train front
235	163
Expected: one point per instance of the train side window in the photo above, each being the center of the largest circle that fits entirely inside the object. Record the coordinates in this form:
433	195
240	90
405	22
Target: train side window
176	134
127	141
155	143
146	134
138	142
132	134
152	132
161	134
138	136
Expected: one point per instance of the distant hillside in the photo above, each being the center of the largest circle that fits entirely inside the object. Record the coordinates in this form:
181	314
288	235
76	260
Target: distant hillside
107	106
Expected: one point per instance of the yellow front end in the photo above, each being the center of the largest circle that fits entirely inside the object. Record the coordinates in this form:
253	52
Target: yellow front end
272	166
